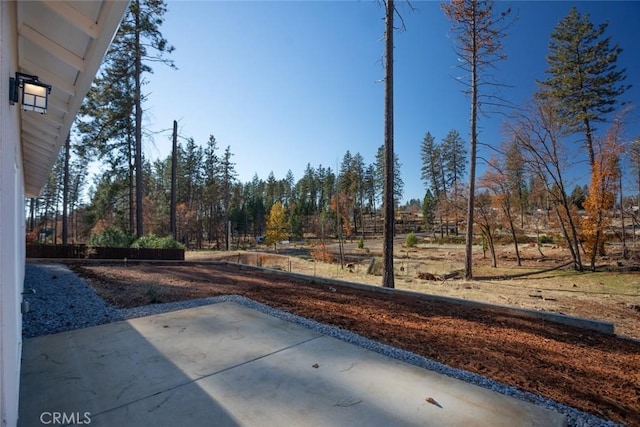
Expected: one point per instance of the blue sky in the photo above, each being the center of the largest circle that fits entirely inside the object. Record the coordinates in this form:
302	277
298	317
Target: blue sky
287	83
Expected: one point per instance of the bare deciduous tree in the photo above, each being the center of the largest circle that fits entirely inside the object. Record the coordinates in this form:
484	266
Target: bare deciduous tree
495	179
479	35
539	131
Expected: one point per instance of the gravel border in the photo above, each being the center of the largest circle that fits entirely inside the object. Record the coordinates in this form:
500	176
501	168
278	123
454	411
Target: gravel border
63	301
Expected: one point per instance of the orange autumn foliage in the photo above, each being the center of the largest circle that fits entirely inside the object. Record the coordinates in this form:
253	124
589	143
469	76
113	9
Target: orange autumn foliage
605	176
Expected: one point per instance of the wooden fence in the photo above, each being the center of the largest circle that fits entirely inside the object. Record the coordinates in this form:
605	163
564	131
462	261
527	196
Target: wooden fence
90	252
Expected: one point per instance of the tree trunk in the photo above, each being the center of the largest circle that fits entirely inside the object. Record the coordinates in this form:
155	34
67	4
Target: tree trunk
625	253
138	129
492	250
468	262
65	190
132	222
174	181
576	243
515	240
32	213
572	240
387	275
594	251
588	135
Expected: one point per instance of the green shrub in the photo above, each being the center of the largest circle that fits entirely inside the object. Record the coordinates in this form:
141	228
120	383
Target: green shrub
155	295
151	241
545	239
411	240
361	243
112	237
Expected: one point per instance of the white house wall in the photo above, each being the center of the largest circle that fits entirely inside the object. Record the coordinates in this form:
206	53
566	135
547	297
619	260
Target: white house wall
12	240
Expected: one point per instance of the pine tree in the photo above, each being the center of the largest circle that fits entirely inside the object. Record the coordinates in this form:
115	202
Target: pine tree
228	177
113	107
583	75
453	158
431	172
579	195
428	209
454	163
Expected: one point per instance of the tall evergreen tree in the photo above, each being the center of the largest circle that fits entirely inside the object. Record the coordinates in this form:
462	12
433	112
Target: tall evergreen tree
454	162
256	205
345	177
327	179
431	172
453	158
148	45
583	75
579	195
228	176
113	109
273	194
428	209
211	190
288	188
107	121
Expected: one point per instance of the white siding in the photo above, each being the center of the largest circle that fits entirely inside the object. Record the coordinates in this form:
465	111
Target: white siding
12	247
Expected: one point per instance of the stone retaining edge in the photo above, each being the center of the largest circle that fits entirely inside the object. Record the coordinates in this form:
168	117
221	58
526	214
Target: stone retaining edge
578	322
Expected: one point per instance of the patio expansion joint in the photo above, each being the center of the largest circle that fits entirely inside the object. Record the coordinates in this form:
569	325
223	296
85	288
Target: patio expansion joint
195	380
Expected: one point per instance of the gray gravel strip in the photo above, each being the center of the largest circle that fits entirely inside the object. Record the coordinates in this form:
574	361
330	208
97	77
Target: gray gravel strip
63	301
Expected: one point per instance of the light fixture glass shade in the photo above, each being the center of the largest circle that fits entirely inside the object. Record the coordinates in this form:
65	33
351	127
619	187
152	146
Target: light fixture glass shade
34	97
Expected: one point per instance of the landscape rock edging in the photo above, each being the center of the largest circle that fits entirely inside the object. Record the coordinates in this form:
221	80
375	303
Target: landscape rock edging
578	322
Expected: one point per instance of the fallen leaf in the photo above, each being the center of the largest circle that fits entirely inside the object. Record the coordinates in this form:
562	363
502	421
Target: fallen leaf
433	402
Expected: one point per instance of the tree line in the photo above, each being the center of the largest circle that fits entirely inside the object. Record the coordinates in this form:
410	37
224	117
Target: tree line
211	201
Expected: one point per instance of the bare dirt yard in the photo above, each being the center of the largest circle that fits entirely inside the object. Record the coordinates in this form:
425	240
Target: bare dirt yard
594	372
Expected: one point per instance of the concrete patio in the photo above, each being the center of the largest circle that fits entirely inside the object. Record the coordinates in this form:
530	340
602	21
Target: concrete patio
227	365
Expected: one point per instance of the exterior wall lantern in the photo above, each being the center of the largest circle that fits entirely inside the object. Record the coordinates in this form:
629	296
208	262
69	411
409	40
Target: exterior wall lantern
35	94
